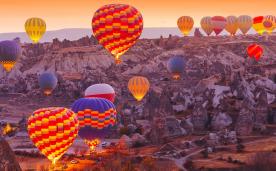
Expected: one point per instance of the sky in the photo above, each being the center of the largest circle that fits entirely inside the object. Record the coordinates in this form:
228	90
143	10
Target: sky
60	14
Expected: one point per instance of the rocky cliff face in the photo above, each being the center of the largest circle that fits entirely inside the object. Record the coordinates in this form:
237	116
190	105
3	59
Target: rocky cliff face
7	157
218	73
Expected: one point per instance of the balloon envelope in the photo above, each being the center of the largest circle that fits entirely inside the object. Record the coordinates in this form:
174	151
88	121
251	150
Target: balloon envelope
53	131
269	23
176	66
138	86
255	51
35	28
231	25
100	90
258	25
185	24
206	25
10	51
218	23
117	27
47	82
96	117
245	23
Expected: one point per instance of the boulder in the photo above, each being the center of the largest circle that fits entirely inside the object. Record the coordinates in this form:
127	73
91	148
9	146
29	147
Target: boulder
221	121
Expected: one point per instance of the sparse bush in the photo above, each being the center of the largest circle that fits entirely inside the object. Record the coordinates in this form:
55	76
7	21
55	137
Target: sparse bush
124	131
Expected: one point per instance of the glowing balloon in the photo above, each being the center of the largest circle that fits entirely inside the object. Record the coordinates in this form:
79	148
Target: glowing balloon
218	23
100	90
47	82
138	86
255	51
96	117
10	51
206	25
258	25
231	25
245	23
35	28
176	66
117	27
53	131
269	23
185	24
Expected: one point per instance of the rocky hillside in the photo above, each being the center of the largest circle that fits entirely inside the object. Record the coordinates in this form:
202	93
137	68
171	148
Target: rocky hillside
221	88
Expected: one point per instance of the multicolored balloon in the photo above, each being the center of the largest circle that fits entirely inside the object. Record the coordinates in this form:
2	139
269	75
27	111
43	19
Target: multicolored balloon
35	28
53	131
47	82
258	25
206	25
176	66
96	117
218	24
231	25
10	51
138	86
269	23
117	27
245	23
100	90
185	24
255	51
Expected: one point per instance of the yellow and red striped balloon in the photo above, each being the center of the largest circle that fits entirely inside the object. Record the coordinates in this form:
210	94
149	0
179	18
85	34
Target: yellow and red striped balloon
53	131
258	25
117	27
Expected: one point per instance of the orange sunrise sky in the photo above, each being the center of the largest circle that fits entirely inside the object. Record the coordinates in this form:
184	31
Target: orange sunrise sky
60	14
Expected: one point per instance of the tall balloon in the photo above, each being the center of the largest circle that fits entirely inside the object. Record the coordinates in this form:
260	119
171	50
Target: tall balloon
255	51
10	51
258	25
53	131
185	24
218	23
231	25
269	23
245	23
117	27
96	117
206	25
176	66
35	28
100	90
138	86
47	82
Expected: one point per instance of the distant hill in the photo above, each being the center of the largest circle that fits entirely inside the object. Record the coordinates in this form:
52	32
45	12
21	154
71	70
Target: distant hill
77	33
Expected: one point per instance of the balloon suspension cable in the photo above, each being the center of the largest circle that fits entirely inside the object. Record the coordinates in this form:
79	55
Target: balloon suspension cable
117	59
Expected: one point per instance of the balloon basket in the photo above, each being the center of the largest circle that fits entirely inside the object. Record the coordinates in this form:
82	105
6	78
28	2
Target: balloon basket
118	61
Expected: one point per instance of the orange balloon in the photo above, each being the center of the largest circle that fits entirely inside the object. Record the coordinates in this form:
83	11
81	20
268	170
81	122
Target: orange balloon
138	86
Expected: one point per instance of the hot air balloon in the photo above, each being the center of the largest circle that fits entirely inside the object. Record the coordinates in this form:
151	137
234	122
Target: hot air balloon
176	66
10	51
231	25
206	25
269	23
255	51
100	90
35	28
218	23
53	131
138	86
96	117
47	82
258	25
185	24
245	23
117	27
